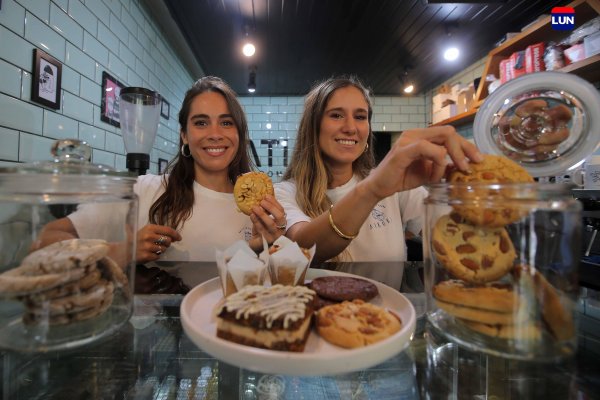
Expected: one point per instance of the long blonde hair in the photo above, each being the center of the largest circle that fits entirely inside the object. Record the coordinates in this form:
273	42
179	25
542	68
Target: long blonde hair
307	168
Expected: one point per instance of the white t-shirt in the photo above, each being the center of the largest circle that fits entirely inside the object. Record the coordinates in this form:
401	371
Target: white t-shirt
381	237
215	221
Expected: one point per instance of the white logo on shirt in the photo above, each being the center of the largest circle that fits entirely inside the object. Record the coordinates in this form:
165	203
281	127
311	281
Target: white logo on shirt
246	232
381	219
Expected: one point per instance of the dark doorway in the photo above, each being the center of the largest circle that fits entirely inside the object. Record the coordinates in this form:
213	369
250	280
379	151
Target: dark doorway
382	142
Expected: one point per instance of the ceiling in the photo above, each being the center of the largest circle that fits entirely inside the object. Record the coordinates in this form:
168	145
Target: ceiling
300	42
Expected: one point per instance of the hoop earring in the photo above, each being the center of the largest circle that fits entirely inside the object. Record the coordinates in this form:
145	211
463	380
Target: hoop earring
366	148
183	147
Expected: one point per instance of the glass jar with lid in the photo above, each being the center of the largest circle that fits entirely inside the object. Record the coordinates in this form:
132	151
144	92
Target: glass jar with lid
502	258
60	288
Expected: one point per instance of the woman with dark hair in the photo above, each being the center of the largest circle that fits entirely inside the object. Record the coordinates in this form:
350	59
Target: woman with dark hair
188	212
335	197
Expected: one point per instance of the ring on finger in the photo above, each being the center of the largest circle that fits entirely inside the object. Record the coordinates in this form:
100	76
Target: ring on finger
282	226
161	240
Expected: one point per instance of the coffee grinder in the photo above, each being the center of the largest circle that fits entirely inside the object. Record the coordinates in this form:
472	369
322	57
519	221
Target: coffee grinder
139	114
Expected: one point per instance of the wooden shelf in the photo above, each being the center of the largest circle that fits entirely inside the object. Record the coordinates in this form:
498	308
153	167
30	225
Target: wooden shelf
588	68
462	118
540	31
459	119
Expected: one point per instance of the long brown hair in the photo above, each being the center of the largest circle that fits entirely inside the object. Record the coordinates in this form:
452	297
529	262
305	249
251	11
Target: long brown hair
175	205
307	167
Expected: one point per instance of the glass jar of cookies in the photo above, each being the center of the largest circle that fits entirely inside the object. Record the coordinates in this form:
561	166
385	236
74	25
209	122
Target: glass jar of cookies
501	266
67	248
501	250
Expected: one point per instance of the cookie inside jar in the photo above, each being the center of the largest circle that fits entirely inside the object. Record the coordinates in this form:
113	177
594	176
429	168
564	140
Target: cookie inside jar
505	290
64	291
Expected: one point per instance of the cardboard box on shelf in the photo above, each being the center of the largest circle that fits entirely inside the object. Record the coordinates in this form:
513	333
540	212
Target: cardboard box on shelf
574	53
534	58
456	88
517	63
591	44
440	99
505	70
465	99
444	113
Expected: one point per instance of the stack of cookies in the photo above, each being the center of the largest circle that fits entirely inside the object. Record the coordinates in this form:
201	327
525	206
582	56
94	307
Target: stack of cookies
483	289
68	281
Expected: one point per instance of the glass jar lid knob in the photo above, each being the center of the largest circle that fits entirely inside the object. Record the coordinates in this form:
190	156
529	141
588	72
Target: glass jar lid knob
71	150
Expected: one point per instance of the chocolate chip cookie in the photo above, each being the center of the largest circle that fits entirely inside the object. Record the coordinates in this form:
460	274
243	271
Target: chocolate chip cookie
493	169
476	254
495	296
482	203
352	324
525	330
557	310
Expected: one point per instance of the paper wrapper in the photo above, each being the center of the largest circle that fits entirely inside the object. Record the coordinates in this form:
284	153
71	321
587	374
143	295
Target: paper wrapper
239	266
288	263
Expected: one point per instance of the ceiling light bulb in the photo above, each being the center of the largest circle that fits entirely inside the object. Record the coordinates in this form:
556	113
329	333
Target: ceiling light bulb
248	49
409	88
251	89
451	53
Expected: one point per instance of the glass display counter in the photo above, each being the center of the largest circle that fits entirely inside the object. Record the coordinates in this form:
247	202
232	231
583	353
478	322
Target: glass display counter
151	358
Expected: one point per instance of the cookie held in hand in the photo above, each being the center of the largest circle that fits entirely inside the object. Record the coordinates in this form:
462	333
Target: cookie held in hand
493	169
486	205
250	189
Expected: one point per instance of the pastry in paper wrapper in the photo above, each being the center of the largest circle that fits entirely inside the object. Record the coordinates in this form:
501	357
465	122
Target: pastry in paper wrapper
288	262
239	266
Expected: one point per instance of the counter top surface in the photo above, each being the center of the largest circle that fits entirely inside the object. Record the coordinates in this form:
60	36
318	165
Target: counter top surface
151	358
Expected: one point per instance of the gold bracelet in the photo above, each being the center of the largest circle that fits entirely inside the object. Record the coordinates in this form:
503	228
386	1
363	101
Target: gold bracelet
337	230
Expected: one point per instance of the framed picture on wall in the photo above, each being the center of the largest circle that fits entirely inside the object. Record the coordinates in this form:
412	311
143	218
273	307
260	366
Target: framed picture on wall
162	165
47	72
109	106
165	108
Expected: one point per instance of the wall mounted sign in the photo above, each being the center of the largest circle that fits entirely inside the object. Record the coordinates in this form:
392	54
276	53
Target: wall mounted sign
109	106
46	82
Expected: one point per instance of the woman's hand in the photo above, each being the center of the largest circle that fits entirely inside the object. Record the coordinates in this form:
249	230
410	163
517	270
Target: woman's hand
268	221
153	240
419	157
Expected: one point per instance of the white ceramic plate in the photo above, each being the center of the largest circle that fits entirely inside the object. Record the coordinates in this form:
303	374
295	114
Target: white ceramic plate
319	356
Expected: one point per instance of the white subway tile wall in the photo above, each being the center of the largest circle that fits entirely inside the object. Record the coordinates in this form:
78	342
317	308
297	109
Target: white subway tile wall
87	37
273	122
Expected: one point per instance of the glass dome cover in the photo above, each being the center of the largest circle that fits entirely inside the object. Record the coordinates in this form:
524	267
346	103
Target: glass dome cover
549	122
69	173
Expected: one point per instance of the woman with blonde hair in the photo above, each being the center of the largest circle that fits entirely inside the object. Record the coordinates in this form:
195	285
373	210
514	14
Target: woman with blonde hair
334	196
